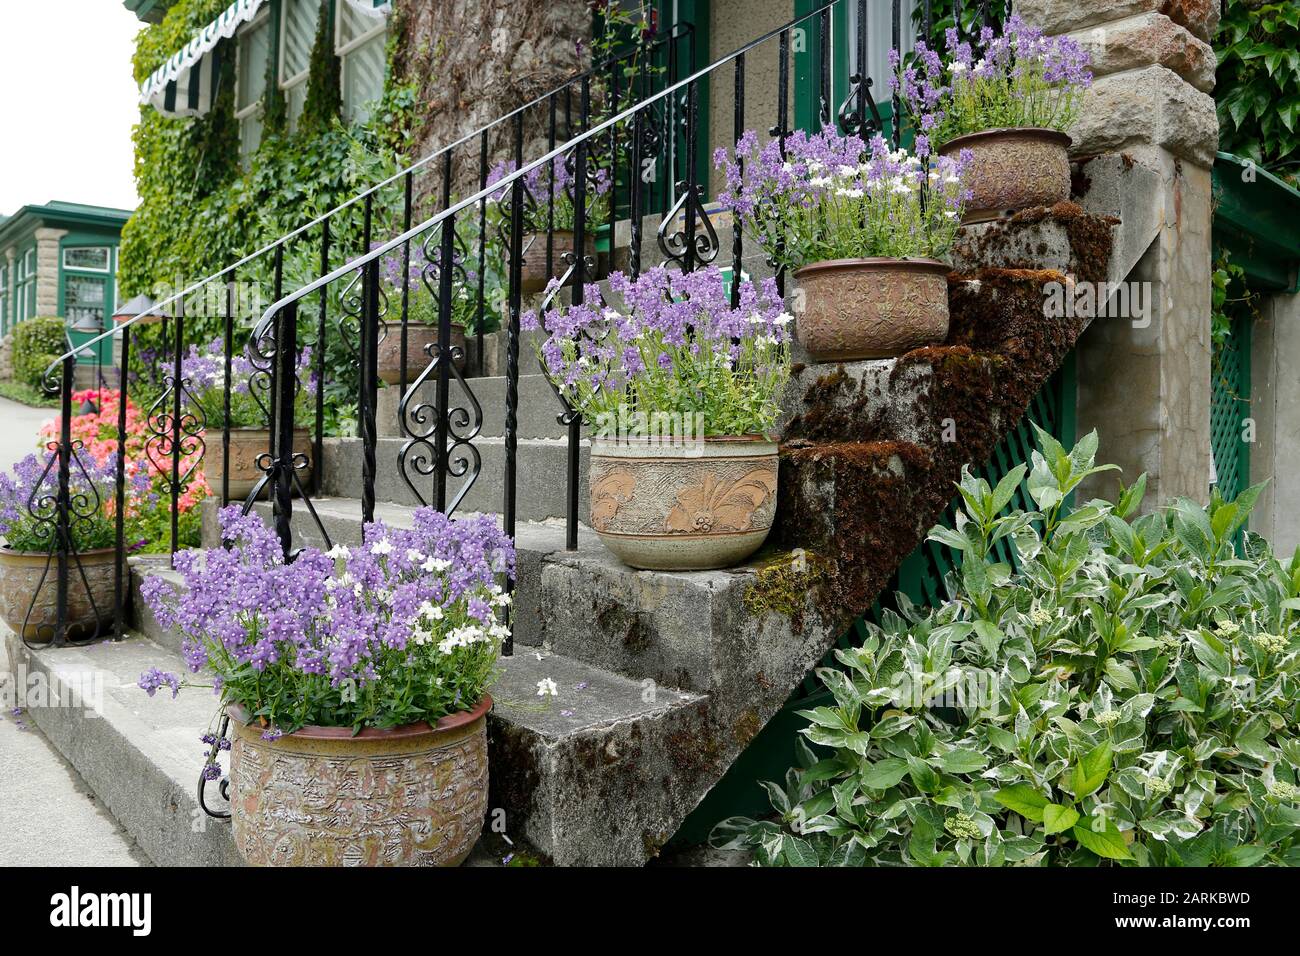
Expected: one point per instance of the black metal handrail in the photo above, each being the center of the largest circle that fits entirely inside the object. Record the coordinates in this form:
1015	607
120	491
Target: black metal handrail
368	193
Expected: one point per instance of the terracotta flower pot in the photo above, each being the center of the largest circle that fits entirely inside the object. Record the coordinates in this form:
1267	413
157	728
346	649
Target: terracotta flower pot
20	579
683	507
533	276
410	796
849	309
1013	169
246	445
418	335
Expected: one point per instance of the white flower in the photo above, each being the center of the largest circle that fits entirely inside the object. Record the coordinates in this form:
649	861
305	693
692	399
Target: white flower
415	557
429	609
757	319
958	67
338	551
820	182
816	165
382	546
784	319
435	565
547	688
848	172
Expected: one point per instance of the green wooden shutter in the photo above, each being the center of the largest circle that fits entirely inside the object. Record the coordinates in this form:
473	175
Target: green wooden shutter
1229	408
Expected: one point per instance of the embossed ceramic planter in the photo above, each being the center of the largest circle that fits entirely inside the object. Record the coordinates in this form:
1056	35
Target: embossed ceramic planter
850	309
1013	169
533	276
686	507
21	575
246	445
418	335
410	796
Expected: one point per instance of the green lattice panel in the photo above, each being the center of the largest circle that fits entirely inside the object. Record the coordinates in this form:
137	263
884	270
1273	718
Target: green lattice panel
1229	407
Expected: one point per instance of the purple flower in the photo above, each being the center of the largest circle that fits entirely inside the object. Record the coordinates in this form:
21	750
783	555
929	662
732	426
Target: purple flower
153	679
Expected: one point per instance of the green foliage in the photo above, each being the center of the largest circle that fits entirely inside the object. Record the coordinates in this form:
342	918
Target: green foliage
324	102
37	343
24	394
1257	84
1230	298
1128	696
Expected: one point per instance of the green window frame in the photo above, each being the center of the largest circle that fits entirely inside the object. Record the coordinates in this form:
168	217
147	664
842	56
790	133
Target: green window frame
842	52
87	297
253	45
298	23
25	286
361	43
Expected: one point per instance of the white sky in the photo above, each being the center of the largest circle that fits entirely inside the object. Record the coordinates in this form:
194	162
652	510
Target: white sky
67	102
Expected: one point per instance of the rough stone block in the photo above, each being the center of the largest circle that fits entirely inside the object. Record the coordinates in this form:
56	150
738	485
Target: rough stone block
1147	40
1151	107
1200	17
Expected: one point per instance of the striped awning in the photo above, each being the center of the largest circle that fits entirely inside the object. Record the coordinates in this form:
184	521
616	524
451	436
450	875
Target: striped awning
186	84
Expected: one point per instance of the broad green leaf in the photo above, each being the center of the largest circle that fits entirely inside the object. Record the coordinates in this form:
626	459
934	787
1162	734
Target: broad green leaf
1058	818
1108	842
1092	770
1024	800
884	774
963	761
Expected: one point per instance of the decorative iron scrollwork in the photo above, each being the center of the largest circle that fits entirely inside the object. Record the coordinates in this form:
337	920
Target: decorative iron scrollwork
698	249
851	118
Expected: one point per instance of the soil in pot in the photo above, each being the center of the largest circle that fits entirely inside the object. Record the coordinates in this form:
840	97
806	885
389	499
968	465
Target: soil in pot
410	796
21	575
852	309
418	336
683	507
246	446
1013	169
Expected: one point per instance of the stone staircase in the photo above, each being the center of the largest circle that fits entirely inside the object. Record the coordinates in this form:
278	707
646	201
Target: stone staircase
664	678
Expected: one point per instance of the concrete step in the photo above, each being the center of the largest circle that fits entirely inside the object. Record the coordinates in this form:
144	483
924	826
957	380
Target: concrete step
561	767
537	414
540	491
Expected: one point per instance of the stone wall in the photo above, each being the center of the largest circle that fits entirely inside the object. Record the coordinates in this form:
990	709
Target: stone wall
47	270
1275	398
477	61
1144	384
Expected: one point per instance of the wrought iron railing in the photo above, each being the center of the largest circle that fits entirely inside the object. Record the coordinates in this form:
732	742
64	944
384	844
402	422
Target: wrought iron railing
596	131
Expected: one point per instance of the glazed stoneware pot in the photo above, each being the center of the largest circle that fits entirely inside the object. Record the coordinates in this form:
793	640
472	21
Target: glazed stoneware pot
1013	169
418	336
246	445
683	507
21	577
322	796
850	309
533	276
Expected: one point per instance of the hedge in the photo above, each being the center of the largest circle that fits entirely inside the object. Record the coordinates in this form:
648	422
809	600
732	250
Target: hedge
37	343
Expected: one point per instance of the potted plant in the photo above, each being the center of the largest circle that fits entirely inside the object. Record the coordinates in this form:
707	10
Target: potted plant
1009	100
551	213
28	577
356	683
862	226
681	391
422	313
204	375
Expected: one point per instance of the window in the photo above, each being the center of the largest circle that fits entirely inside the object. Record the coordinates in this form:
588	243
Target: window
25	286
87	258
84	301
880	40
250	84
360	43
4	297
297	35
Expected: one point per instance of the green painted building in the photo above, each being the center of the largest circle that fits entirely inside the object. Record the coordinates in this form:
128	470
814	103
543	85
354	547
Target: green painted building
60	259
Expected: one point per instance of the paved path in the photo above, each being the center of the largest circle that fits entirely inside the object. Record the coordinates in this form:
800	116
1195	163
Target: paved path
48	816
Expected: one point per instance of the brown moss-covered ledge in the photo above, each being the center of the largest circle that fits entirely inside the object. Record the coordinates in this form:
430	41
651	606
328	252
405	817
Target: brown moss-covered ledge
865	504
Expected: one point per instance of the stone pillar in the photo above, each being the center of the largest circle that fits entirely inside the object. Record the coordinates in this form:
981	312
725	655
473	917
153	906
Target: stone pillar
1145	384
47	270
1275	399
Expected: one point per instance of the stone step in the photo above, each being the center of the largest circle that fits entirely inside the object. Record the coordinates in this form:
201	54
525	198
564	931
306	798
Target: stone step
558	764
540	490
537	414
